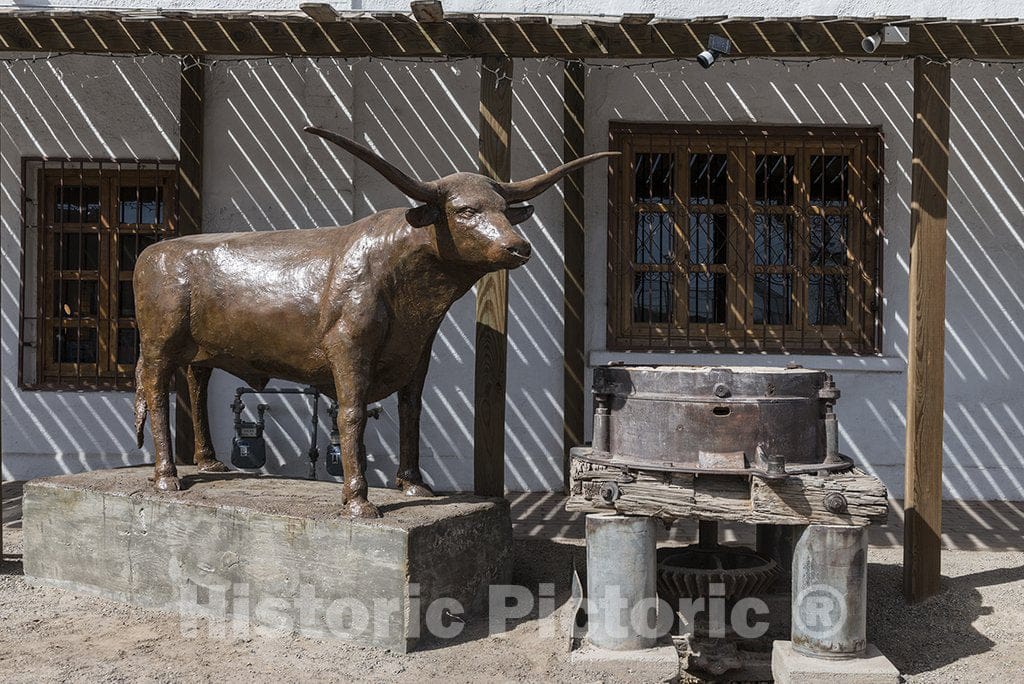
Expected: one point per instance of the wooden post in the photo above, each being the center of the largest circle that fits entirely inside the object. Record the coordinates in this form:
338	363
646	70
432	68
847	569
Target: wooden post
574	364
492	290
190	222
925	348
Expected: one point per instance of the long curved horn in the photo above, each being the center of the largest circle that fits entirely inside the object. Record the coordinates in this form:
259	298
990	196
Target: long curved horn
420	191
531	187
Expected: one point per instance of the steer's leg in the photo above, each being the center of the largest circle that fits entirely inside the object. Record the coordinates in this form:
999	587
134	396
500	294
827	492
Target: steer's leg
351	380
410	403
206	457
155	375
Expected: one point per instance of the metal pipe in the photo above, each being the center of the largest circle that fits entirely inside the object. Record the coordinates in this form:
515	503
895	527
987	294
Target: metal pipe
620	575
830	572
831	435
601	441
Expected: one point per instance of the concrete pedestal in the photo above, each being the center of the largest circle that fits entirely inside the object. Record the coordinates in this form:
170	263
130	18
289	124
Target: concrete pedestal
655	664
268	551
792	667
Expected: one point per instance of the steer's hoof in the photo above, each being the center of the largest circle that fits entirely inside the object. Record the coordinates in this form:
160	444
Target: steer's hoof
414	488
212	466
168	483
361	508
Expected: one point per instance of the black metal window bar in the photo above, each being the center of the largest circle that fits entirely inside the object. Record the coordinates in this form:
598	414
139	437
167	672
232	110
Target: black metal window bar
745	239
91	221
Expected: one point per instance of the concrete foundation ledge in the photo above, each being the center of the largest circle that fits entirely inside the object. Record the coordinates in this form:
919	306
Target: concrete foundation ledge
269	552
792	667
657	664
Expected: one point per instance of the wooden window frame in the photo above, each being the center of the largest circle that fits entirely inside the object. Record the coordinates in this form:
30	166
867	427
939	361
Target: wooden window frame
107	373
861	335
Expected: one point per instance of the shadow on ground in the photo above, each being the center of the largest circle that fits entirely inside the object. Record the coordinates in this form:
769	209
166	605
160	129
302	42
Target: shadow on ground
924	636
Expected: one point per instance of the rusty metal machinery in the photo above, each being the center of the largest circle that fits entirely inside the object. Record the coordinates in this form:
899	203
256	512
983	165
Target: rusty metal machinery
766	422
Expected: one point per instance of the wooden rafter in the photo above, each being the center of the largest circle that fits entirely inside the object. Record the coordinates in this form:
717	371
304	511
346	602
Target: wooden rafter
397	34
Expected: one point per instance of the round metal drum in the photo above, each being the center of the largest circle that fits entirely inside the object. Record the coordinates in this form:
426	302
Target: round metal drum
718	420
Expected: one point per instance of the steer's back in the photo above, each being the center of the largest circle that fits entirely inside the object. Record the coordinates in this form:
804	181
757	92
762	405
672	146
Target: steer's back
256	297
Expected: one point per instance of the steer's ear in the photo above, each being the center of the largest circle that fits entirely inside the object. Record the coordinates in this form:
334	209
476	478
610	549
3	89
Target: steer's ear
517	215
423	215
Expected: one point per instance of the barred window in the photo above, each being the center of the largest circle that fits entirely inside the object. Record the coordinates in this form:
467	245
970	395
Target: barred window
92	221
744	239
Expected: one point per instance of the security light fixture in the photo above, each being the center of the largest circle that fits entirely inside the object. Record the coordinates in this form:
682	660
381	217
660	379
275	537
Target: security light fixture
717	45
889	35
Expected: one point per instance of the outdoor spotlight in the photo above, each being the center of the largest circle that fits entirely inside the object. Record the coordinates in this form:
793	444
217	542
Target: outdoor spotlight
717	45
889	35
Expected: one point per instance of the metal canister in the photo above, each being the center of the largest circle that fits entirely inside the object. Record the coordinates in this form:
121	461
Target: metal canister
830	573
621	575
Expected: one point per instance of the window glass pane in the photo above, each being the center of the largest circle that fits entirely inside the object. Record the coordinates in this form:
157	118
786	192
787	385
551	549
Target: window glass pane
708	179
828	240
74	345
652	297
773	239
829	180
772	298
774	176
127	345
126	299
707	238
76	204
826	295
141	204
655	238
76	251
130	246
654	176
72	299
707	298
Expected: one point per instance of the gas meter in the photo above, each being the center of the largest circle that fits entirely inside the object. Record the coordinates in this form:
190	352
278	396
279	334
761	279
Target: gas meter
332	463
248	448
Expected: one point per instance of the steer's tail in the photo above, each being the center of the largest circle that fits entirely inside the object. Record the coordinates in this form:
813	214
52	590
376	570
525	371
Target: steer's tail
140	405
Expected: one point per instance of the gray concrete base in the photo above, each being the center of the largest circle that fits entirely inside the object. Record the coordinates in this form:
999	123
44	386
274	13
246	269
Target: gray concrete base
269	552
658	664
791	667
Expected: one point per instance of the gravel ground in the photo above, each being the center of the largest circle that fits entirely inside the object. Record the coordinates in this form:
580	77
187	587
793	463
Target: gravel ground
972	632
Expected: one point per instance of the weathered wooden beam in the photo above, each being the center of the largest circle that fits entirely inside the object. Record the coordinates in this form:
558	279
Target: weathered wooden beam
926	344
492	290
574	365
427	11
797	500
190	221
320	11
325	32
638	18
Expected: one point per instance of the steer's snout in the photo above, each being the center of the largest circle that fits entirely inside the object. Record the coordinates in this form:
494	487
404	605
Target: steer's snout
519	250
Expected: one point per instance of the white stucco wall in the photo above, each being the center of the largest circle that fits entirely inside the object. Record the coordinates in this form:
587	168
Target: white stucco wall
72	107
984	369
262	173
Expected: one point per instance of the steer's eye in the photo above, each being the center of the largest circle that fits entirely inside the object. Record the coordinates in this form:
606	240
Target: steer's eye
466	212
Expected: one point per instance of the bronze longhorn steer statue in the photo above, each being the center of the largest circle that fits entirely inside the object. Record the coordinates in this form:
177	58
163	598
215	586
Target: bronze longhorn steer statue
351	310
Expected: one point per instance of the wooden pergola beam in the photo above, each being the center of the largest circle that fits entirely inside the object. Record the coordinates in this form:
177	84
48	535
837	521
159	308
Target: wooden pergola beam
190	221
574	365
393	34
922	542
492	290
427	11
